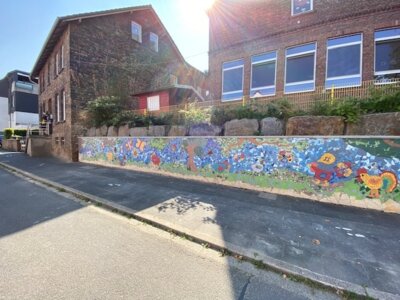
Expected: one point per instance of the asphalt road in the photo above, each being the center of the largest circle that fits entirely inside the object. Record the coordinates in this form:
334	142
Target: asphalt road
340	245
53	247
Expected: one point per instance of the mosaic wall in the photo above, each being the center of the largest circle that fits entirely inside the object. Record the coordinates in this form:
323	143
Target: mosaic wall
363	169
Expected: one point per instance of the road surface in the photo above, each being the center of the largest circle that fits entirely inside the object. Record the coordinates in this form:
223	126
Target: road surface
53	247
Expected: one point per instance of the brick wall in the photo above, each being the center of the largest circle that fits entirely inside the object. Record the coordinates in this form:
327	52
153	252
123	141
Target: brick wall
105	59
58	82
101	58
263	26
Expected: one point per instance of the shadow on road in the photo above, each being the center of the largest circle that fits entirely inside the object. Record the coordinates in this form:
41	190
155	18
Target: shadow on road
23	204
354	245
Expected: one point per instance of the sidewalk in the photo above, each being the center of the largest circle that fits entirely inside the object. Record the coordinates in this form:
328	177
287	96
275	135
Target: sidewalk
346	247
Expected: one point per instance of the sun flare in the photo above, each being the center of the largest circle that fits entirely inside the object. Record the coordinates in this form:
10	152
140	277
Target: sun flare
194	12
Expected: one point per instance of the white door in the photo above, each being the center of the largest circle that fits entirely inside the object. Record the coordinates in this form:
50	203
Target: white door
153	103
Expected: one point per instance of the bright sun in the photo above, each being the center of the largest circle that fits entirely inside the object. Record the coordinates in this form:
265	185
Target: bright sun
194	12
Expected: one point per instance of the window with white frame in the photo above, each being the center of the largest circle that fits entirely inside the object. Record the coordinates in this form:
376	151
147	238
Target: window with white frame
62	58
263	75
300	68
344	60
301	6
136	31
154	41
57	63
63	100
232	80
387	54
153	103
58	107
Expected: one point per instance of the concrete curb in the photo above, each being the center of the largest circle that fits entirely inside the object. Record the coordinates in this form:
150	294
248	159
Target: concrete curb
267	262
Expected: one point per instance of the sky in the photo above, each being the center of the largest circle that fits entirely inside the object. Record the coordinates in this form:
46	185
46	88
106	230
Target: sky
25	25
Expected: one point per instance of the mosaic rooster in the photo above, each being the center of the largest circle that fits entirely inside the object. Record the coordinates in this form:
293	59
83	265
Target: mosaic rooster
386	181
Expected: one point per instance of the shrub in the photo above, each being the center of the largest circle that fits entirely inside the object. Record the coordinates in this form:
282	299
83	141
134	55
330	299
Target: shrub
8	133
348	108
194	115
20	132
281	109
381	101
122	117
103	110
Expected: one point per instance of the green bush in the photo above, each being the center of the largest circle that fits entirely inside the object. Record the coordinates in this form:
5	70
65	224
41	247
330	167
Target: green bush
8	133
103	110
122	117
281	109
194	115
20	132
381	101
348	108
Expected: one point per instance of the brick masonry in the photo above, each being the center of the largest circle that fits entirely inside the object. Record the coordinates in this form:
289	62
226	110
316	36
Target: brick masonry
238	31
61	130
101	58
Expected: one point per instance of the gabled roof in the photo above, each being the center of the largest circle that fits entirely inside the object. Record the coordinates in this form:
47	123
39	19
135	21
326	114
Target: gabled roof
61	24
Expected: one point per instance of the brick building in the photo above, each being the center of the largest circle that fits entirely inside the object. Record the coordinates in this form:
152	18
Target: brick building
103	53
265	48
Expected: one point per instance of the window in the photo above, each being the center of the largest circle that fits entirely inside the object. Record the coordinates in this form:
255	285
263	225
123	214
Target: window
344	61
154	41
62	106
173	79
263	74
301	6
48	73
232	80
58	107
62	58
153	103
300	69
387	54
136	32
56	63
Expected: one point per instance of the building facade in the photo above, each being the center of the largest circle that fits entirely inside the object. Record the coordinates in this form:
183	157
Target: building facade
18	101
268	48
104	53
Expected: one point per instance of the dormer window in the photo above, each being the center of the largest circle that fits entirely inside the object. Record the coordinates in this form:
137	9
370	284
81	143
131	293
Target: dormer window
154	41
301	6
136	31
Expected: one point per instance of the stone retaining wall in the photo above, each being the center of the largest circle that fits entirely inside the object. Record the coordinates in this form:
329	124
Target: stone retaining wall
387	124
360	172
12	145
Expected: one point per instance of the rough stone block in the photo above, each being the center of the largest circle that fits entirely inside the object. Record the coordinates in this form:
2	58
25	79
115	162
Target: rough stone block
91	132
138	131
159	130
243	127
176	130
272	127
376	124
123	130
112	131
102	131
315	125
204	129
